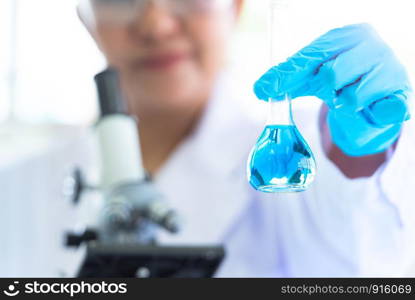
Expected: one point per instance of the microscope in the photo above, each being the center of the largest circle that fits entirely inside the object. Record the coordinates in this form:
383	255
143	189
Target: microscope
123	241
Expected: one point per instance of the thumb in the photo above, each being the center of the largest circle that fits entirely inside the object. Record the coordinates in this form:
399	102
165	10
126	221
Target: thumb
390	110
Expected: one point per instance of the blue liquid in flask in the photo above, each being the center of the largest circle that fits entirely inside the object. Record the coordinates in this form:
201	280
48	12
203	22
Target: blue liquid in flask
281	160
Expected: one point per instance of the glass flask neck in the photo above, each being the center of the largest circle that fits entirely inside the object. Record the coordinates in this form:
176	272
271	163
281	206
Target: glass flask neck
279	112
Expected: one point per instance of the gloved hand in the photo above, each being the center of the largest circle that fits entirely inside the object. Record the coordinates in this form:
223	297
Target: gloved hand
358	76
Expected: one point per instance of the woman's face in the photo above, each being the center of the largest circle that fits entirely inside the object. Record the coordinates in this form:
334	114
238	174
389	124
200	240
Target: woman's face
167	57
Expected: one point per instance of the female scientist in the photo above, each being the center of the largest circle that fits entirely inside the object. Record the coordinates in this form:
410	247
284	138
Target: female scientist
355	220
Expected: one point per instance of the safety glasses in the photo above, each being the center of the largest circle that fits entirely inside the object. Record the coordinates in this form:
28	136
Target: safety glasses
125	11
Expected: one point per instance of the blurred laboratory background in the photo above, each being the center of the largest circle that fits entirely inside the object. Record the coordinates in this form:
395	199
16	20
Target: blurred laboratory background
48	98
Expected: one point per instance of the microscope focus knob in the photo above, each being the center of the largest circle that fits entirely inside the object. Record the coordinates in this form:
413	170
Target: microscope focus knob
75	240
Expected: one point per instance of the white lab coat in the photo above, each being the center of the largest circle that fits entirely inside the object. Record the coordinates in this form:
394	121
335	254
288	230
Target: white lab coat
339	227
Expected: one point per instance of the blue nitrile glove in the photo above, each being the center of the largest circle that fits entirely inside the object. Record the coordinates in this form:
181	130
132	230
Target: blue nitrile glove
358	76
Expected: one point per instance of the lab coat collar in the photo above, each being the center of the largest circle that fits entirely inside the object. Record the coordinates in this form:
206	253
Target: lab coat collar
226	131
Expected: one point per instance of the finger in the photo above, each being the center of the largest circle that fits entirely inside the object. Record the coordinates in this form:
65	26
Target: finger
293	74
348	68
384	80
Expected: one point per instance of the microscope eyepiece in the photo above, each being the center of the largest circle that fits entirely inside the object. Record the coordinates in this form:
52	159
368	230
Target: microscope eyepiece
111	100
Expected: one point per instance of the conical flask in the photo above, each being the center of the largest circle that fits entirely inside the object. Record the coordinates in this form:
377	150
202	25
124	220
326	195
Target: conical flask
281	160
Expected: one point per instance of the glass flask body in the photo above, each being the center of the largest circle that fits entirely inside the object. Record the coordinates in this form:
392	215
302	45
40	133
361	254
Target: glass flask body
281	160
